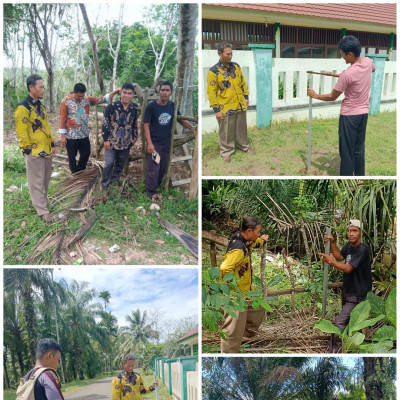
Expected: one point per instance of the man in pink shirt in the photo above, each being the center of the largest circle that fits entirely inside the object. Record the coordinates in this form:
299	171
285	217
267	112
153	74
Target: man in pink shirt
355	82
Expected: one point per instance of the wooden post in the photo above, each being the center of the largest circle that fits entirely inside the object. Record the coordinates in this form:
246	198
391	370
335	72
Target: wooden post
213	254
326	270
168	174
195	168
262	271
97	134
144	105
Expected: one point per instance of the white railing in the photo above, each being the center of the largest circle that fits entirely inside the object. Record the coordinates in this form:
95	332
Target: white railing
290	71
176	380
192	384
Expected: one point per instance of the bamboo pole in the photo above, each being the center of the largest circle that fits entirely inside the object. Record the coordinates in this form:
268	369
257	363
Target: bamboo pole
326	270
309	126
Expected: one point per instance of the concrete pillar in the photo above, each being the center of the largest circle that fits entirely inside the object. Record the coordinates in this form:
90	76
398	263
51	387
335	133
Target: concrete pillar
390	49
187	364
377	82
263	61
169	362
277	37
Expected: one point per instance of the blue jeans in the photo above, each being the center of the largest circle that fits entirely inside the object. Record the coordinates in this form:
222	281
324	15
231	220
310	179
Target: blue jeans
115	162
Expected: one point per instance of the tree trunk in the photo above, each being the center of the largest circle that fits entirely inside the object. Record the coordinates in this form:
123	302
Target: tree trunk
93	42
372	383
194	179
114	53
6	378
29	315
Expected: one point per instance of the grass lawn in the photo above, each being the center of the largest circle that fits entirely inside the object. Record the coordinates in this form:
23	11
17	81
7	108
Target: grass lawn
282	149
116	223
75	385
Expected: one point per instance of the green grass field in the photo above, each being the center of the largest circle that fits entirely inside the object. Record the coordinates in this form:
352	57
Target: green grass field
282	149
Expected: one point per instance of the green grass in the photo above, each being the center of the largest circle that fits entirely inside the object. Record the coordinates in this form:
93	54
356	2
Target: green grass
282	149
117	222
75	385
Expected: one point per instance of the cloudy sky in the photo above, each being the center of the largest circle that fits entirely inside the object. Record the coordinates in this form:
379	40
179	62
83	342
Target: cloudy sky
174	291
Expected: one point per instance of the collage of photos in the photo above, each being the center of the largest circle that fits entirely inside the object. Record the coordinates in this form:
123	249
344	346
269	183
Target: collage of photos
200	201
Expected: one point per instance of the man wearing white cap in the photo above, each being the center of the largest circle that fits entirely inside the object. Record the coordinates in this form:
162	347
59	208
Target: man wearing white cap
357	279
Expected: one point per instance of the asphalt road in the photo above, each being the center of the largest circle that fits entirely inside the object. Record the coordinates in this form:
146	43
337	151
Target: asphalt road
101	390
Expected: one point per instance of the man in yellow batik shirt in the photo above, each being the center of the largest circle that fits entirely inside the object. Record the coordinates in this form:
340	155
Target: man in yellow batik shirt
128	384
229	98
238	261
36	141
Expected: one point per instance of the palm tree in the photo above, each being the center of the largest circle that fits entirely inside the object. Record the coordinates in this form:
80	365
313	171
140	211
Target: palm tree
136	334
106	296
79	323
23	284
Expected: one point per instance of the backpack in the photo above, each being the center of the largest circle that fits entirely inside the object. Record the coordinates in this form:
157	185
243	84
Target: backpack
26	388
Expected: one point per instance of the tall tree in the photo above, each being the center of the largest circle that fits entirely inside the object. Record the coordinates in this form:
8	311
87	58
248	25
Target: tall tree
93	42
106	296
379	375
45	20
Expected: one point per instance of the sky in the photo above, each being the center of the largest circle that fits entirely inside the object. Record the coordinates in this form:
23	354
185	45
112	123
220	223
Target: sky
171	290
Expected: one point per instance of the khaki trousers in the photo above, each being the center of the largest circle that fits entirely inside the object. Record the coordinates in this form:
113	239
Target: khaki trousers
233	128
246	324
38	170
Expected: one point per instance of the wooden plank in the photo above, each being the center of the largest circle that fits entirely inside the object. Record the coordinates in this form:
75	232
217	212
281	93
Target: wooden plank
187	152
181	182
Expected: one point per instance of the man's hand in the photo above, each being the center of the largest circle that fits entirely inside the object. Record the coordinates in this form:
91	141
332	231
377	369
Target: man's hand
312	93
155	383
114	92
150	148
247	102
63	139
219	115
53	151
107	145
327	258
264	237
329	238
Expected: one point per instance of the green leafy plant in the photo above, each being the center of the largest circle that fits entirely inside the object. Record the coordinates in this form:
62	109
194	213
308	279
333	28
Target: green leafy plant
353	339
220	296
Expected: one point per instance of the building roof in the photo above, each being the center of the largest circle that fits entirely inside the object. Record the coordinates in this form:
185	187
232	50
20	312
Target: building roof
375	13
194	331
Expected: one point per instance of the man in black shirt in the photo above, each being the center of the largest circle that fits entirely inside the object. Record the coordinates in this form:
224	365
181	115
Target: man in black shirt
47	385
119	134
357	279
158	120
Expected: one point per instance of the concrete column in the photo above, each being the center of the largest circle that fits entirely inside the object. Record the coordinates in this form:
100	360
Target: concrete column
187	364
263	61
377	82
390	49
277	37
169	362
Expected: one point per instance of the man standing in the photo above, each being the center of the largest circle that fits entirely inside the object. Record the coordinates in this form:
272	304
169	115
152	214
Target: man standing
74	124
355	82
128	384
238	261
36	141
357	279
229	98
158	120
119	134
47	384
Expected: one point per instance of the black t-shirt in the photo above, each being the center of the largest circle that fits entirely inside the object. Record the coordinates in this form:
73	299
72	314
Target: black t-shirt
161	119
359	281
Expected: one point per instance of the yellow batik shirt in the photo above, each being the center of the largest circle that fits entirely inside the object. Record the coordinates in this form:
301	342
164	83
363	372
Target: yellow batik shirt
129	386
226	88
33	130
238	260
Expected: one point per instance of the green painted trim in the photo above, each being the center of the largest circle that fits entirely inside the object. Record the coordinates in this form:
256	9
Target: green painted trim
391	40
376	55
261	46
343	33
277	26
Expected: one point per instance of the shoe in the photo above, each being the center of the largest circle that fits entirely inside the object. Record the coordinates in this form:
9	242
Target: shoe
227	158
250	151
48	217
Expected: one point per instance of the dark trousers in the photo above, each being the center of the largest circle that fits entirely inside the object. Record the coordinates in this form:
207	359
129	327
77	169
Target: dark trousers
341	321
352	144
155	172
115	162
73	146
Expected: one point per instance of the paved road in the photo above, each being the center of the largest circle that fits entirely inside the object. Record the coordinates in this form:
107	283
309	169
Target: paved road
101	390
